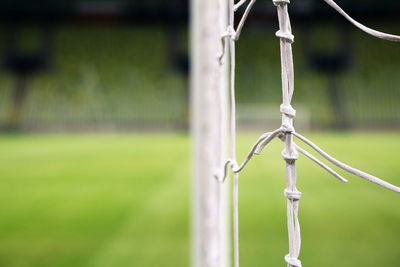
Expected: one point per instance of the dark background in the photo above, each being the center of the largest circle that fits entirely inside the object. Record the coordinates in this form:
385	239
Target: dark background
84	65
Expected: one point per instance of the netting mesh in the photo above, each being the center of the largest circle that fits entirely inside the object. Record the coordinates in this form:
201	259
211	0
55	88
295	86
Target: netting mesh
286	132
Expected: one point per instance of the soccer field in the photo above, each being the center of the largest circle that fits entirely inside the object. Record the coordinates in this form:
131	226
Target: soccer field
123	200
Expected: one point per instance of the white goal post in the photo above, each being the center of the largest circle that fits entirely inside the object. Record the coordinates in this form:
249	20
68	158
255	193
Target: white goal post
209	94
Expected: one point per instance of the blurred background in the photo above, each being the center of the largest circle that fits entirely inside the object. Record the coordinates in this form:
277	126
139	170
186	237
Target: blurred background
94	144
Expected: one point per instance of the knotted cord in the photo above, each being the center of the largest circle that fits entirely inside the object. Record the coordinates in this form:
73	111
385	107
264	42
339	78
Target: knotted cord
286	132
230	36
289	154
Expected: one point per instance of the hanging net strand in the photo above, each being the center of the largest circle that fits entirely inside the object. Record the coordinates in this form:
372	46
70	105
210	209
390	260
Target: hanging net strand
321	164
230	32
238	5
228	39
377	34
346	167
287	131
255	150
244	18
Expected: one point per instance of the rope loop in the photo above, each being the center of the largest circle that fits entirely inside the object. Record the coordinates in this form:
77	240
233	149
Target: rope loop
281	2
287	127
292	261
288	110
221	174
287	120
290	156
292	195
229	33
287	36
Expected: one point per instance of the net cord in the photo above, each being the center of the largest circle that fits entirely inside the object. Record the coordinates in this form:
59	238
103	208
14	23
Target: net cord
286	132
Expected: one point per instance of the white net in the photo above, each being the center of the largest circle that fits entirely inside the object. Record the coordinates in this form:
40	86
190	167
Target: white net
286	132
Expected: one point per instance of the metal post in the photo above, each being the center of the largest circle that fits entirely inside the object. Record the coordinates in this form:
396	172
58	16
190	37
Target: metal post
210	229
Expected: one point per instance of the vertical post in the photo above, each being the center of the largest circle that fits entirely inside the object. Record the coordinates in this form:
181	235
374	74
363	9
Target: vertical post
210	231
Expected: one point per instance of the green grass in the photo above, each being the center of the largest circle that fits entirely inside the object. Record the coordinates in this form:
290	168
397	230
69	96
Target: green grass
123	200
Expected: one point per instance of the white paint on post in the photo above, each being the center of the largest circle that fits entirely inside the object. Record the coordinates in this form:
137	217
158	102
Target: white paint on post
210	227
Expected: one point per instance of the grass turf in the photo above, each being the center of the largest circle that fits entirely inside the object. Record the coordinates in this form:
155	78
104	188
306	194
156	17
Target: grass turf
123	200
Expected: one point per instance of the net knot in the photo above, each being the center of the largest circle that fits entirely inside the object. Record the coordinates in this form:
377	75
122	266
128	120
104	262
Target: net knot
290	156
287	127
288	110
281	2
287	120
293	195
293	261
230	33
286	36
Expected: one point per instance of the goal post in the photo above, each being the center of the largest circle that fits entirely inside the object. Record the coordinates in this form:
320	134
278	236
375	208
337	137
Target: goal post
209	105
